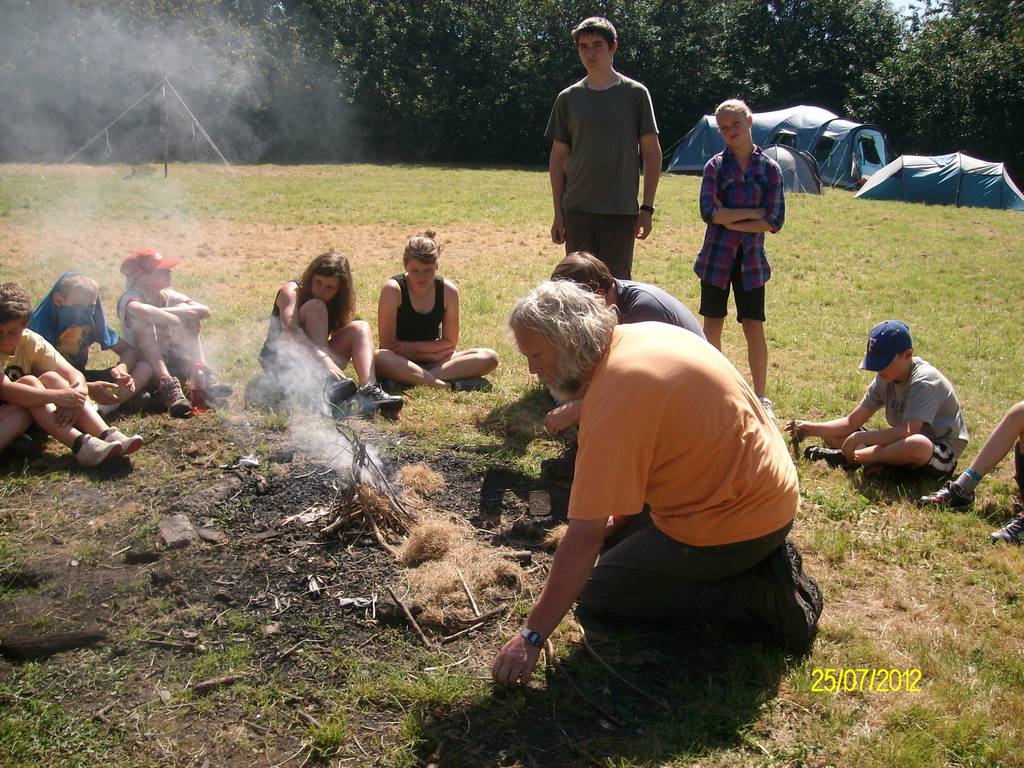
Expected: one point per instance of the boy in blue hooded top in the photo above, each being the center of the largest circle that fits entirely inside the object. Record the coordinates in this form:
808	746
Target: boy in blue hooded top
71	318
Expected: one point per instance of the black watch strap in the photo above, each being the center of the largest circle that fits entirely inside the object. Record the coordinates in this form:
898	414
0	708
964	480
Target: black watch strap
532	636
648	208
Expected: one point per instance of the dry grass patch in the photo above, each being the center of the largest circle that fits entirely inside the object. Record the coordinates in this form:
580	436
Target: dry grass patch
437	551
420	479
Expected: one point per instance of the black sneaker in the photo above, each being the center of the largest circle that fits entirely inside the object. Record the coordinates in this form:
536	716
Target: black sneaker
372	397
472	384
1011	533
339	394
793	603
834	457
949	495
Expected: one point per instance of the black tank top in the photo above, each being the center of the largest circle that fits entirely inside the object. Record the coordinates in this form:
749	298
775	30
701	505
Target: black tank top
269	352
411	325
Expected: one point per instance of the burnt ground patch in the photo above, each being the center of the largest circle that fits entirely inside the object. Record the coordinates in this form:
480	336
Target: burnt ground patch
291	632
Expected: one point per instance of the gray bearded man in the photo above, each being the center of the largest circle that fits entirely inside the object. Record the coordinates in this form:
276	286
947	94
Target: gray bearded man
684	491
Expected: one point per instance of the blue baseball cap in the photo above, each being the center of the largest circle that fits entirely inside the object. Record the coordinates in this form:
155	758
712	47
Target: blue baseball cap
885	341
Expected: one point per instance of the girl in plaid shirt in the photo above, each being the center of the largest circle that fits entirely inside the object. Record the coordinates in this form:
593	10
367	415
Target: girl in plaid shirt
741	198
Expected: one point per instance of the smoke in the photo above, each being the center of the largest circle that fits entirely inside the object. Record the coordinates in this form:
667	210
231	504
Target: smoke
261	84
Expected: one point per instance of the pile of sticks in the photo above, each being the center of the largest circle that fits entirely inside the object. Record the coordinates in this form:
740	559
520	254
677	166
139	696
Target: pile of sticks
367	502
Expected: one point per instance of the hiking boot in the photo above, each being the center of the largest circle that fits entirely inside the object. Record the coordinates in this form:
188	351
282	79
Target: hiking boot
793	603
129	445
372	397
769	408
177	404
834	457
472	384
92	451
949	495
1011	533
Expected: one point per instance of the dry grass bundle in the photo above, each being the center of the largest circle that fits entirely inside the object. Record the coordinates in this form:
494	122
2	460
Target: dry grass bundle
438	551
554	537
420	478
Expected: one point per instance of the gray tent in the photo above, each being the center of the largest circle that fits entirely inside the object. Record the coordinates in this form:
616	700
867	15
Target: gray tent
799	168
847	152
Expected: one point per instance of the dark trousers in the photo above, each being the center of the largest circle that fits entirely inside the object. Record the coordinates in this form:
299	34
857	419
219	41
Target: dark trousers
645	575
609	237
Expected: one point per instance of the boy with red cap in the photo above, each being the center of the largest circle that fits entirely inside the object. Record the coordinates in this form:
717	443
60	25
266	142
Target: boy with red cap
926	427
164	325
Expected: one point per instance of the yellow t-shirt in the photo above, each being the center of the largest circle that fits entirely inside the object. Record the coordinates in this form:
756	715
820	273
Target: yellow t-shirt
33	355
668	421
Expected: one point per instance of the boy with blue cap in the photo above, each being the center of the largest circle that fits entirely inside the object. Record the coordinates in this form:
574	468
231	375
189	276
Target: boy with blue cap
926	427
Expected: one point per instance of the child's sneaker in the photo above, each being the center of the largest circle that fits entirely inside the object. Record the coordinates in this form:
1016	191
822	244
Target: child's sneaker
949	495
834	457
129	445
472	384
1011	533
177	404
92	451
372	397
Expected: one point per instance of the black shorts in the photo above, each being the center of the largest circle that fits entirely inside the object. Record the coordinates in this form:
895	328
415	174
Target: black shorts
714	301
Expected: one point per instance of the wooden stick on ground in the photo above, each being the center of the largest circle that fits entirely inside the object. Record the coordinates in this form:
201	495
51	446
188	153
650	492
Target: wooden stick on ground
409	617
476	623
215	682
549	657
620	678
472	600
307	718
26	647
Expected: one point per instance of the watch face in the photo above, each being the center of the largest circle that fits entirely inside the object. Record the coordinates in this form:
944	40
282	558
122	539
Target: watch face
532	637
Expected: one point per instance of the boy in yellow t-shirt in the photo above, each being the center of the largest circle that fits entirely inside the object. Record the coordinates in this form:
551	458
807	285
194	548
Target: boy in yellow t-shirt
38	384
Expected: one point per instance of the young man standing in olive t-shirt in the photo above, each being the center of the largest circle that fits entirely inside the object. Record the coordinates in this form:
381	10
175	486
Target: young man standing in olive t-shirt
596	127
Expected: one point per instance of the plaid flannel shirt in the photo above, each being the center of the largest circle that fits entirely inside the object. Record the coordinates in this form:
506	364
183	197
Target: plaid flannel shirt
759	187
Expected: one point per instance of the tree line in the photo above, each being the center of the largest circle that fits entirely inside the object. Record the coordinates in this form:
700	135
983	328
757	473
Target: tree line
472	81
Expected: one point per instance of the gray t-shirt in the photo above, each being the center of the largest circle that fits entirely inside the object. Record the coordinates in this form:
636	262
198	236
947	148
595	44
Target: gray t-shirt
926	396
640	303
603	130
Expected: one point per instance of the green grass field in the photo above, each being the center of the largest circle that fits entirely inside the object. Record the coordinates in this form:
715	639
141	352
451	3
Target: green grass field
905	588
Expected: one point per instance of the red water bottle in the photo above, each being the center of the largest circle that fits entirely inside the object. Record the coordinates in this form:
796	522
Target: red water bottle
197	382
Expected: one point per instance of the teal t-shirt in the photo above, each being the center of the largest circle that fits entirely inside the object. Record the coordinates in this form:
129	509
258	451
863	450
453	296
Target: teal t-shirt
603	130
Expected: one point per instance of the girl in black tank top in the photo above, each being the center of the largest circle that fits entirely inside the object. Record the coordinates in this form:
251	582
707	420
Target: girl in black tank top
418	324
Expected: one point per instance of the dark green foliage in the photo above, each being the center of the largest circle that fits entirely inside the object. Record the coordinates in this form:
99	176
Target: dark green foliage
458	81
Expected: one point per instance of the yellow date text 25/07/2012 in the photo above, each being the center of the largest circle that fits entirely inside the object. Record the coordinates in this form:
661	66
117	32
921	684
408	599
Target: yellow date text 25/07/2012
865	679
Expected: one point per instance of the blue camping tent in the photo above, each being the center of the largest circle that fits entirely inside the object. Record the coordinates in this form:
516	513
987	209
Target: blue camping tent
955	179
847	152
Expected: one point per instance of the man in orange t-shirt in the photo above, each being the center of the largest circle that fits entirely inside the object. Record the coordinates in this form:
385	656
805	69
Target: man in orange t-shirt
683	485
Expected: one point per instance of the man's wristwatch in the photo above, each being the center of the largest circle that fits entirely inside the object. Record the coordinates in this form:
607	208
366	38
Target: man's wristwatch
532	636
648	208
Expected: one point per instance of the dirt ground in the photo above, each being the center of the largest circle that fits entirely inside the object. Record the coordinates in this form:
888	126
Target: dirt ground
240	605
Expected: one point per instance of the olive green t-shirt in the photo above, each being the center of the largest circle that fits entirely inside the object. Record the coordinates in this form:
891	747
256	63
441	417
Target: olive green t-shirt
603	130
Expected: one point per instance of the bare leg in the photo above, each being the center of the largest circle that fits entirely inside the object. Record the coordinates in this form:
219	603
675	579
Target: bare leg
713	331
466	364
148	346
1000	442
142	374
355	342
89	420
914	451
13	422
757	354
391	366
45	415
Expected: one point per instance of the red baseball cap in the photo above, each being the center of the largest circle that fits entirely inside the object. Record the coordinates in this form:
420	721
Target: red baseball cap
146	260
